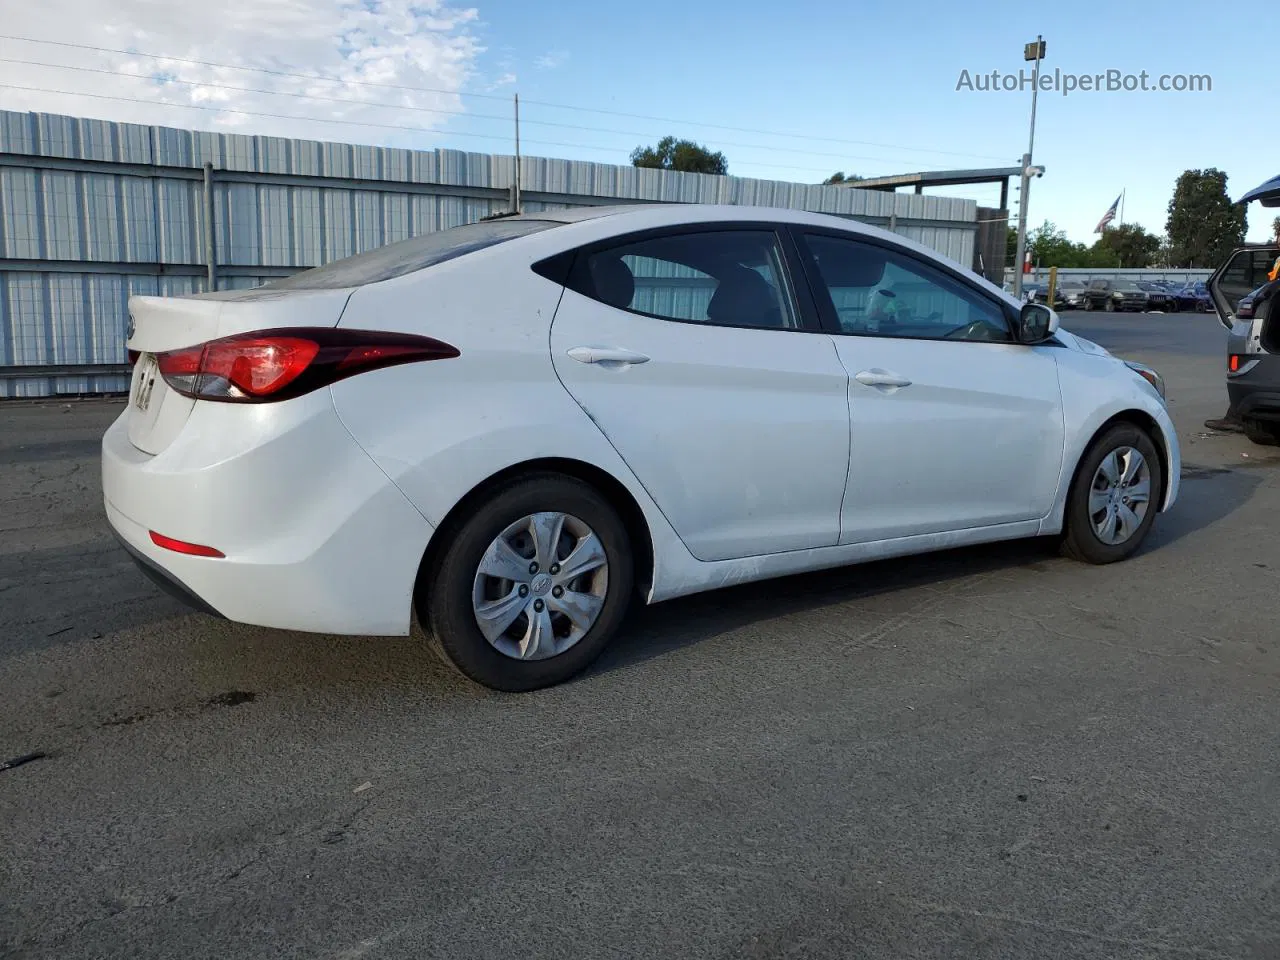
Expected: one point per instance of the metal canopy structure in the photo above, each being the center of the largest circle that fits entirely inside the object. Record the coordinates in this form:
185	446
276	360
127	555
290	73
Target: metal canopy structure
941	178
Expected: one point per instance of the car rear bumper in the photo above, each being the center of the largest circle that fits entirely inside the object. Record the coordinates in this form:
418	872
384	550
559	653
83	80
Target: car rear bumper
1255	394
163	579
315	537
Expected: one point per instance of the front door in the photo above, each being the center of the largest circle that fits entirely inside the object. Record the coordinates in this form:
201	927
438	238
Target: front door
954	425
691	353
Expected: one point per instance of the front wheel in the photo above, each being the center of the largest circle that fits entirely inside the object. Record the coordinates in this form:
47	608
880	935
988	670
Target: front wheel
1111	306
1114	498
533	584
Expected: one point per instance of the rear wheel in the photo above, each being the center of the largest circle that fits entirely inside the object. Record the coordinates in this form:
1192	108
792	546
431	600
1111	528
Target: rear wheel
1262	432
1114	498
533	585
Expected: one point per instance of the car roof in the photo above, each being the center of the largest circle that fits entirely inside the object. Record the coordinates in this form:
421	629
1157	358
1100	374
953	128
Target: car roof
694	212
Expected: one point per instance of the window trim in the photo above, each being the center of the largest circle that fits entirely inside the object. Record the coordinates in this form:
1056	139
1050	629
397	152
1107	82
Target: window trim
797	282
826	306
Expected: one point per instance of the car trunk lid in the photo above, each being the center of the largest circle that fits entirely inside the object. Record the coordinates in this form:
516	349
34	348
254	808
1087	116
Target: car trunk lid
156	411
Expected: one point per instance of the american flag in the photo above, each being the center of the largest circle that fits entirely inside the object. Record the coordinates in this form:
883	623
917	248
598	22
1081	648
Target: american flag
1107	217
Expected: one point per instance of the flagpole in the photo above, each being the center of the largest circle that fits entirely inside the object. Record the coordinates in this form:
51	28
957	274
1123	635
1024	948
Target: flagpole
1122	206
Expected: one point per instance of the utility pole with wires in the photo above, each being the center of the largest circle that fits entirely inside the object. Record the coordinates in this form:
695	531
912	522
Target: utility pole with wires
1032	51
515	192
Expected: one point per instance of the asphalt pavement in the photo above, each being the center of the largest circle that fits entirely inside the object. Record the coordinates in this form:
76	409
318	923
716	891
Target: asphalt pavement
985	753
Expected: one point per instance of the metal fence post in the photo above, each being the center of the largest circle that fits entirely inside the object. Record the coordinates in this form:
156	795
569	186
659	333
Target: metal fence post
210	250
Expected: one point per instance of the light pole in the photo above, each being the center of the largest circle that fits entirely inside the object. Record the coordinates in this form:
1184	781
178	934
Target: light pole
1032	51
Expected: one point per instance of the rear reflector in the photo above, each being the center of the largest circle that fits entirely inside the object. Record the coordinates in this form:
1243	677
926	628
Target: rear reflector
280	364
1233	363
181	546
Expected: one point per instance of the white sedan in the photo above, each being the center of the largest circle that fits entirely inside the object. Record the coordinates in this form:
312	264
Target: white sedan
508	429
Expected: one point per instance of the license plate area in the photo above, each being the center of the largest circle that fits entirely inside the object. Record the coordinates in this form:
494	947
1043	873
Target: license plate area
144	382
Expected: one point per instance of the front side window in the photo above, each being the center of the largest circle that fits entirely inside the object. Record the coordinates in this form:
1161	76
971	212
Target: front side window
879	292
731	278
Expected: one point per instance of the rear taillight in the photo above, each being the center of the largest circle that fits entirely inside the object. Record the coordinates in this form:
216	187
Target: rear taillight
279	364
133	356
1233	363
1245	310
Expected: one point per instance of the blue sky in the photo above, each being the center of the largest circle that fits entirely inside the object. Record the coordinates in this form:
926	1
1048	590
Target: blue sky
818	85
886	72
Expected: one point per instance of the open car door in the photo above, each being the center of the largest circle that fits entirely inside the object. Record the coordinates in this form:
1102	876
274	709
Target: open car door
1244	271
1247	267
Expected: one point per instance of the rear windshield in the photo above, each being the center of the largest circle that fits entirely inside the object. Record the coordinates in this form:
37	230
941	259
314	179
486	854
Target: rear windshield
406	256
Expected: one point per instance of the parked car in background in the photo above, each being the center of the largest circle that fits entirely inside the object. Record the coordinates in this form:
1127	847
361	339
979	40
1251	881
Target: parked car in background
1158	296
1041	295
1072	295
1244	309
1113	295
1195	296
509	430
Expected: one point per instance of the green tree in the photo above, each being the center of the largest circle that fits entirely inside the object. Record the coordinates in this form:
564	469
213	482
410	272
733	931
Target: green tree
1131	244
685	155
839	177
1275	226
1204	225
1050	247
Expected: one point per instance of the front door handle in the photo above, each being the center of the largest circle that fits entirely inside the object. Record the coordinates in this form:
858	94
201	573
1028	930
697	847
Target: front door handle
881	378
609	356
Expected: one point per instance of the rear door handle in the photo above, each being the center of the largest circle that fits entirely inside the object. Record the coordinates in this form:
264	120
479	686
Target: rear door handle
609	356
881	378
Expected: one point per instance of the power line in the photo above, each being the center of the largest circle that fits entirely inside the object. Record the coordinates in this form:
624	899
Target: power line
354	123
387	106
489	96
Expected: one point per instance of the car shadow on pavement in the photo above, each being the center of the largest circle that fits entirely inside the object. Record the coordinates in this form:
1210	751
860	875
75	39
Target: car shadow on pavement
671	625
1208	495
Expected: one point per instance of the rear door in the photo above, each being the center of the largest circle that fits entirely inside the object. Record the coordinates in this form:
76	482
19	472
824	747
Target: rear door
692	353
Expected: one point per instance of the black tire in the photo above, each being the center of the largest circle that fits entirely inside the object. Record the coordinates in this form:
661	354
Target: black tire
1079	541
1262	433
445	599
1173	307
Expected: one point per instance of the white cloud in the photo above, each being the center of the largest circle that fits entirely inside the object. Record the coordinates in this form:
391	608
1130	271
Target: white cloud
549	61
407	43
506	80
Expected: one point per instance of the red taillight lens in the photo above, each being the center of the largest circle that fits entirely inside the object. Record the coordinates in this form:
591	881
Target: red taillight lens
133	356
1233	363
1245	311
279	364
182	546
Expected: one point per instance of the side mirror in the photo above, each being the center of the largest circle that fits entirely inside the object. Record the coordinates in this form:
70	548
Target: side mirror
1036	323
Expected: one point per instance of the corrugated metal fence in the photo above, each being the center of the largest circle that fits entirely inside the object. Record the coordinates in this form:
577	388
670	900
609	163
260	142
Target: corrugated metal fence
93	211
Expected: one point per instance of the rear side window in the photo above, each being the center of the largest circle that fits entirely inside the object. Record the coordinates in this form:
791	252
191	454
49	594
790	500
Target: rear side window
406	256
728	278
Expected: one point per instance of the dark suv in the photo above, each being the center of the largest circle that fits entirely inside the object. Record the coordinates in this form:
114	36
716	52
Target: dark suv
1111	295
1253	341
